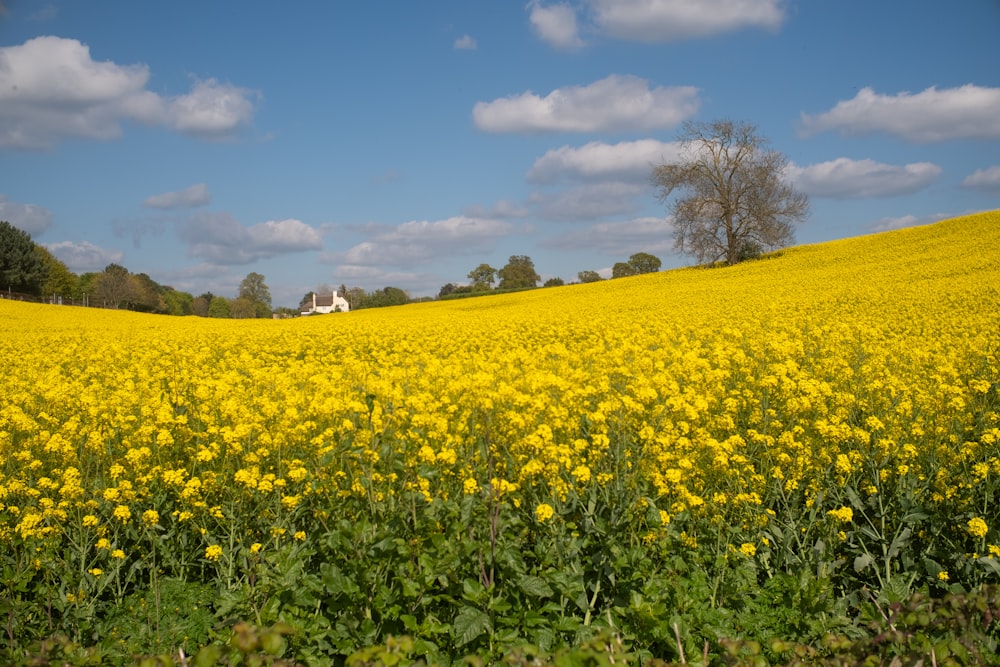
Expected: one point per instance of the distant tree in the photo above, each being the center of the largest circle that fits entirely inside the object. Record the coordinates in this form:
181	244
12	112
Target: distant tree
59	280
200	304
148	294
177	302
519	273
589	276
622	270
387	296
447	289
22	267
554	282
85	288
243	308
356	297
220	307
643	262
482	277
254	289
114	287
735	201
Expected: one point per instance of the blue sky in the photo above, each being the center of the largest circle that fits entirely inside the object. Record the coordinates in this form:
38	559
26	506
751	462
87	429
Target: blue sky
404	143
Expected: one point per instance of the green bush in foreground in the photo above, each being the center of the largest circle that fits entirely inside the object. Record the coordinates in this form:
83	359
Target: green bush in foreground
957	629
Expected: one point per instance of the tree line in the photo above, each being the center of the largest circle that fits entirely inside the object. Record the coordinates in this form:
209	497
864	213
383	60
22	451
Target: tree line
29	270
519	273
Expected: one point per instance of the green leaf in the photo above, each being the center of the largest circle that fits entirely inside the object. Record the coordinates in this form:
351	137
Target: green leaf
990	563
899	541
862	561
469	624
536	586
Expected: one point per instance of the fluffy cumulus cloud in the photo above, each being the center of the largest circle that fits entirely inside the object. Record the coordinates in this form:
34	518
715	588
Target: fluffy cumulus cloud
417	242
616	103
465	43
556	25
26	217
218	238
966	112
192	197
212	110
618	240
52	89
83	256
986	180
629	161
844	178
669	20
651	20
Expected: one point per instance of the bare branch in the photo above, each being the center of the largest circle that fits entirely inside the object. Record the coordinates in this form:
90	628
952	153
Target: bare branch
732	203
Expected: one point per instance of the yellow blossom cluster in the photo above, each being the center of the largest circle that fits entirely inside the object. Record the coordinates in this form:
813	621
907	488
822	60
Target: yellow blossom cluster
859	363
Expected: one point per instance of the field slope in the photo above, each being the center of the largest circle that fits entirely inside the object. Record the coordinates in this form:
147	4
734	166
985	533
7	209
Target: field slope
777	449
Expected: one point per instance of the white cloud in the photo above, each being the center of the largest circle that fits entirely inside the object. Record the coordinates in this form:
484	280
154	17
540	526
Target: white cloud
589	202
844	178
26	217
415	242
212	110
987	180
615	103
194	196
220	239
668	20
503	209
967	112
630	161
51	89
465	43
556	25
618	239
280	236
83	256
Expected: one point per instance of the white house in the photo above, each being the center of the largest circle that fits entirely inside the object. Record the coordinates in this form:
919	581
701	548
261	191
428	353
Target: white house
328	303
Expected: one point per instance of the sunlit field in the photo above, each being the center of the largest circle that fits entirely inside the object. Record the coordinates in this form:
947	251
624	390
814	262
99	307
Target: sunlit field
779	449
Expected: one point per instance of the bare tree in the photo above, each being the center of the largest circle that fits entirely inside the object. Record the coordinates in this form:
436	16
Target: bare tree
735	203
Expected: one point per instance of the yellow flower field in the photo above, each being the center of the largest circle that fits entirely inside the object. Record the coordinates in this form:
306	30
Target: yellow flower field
800	386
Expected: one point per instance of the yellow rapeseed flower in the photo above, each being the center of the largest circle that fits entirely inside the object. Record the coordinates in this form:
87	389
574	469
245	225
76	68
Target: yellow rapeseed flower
843	514
544	512
977	527
213	552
